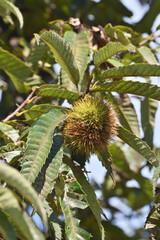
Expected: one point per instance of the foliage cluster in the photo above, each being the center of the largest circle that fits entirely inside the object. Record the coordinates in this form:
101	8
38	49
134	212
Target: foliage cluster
36	168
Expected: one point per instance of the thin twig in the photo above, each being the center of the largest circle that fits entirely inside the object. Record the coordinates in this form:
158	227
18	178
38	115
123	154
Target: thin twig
20	107
89	82
149	39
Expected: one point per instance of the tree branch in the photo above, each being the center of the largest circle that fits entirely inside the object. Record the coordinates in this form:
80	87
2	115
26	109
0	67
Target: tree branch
20	107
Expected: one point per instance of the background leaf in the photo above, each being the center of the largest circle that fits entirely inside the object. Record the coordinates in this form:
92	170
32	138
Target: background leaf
6	228
12	8
148	111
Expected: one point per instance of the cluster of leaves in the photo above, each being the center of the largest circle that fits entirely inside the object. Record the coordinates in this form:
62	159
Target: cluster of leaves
95	61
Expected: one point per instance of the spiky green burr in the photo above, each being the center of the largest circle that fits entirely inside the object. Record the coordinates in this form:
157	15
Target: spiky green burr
90	126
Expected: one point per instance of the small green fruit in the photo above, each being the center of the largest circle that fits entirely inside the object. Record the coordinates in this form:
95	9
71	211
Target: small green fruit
90	125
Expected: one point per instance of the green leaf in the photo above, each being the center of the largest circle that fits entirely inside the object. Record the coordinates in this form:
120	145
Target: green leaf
55	90
126	114
129	114
120	36
108	51
6	228
133	87
10	155
13	9
147	54
35	111
36	54
20	218
53	221
115	62
39	143
87	190
72	228
18	72
106	160
139	145
152	221
79	44
9	131
16	180
53	161
148	111
63	54
138	69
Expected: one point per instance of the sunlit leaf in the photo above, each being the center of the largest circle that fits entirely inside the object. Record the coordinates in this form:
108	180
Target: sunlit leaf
138	69
133	87
139	145
72	228
9	131
148	55
39	143
62	53
111	49
55	90
88	191
19	217
17	181
52	165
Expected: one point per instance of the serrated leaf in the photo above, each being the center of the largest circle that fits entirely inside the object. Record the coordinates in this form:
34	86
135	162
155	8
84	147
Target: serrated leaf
10	155
109	50
130	115
36	54
39	143
139	145
106	160
72	228
6	228
109	30
120	36
20	218
148	111
133	87
155	178
148	55
53	221
115	62
55	90
53	163
13	9
74	202
18	72
138	69
63	54
88	191
35	111
126	115
79	44
152	221
9	131
16	180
